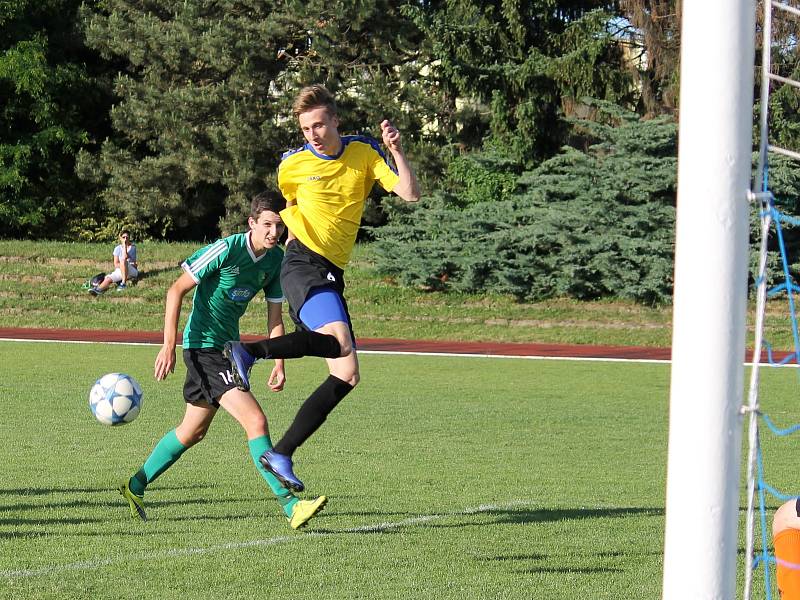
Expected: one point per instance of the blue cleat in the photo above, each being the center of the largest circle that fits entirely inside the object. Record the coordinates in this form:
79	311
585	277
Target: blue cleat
280	465
241	363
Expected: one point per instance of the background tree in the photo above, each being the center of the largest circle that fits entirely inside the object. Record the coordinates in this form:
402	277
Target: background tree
54	104
651	30
377	62
784	105
199	124
204	101
586	223
511	70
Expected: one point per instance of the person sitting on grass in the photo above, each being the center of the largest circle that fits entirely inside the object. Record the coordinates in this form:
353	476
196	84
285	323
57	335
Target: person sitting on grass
224	276
126	267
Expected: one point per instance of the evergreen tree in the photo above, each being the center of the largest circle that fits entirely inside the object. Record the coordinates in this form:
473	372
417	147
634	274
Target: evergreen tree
651	30
205	100
513	69
200	124
376	61
586	223
784	100
53	105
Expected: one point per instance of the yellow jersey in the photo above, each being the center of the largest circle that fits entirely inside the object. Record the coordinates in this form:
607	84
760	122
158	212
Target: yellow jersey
330	192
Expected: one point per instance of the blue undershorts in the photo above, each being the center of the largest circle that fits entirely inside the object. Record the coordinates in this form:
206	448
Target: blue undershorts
322	306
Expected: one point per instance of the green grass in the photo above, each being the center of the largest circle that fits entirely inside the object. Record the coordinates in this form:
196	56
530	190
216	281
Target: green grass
422	436
40	286
448	478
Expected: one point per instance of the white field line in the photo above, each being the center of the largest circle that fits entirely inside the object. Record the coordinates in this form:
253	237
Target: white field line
388	352
566	358
93	565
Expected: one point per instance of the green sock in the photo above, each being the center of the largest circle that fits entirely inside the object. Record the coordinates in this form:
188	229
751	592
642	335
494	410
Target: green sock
285	498
163	456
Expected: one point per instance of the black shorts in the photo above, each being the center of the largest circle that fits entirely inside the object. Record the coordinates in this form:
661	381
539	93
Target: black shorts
304	270
208	376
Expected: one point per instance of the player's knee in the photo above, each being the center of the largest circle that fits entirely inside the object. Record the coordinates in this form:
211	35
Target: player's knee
255	425
346	346
190	437
350	377
259	422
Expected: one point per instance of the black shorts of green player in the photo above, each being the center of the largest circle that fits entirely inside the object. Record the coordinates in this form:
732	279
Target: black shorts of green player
208	376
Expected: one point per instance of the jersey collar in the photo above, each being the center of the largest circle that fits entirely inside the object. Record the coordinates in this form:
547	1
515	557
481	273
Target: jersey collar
343	141
250	251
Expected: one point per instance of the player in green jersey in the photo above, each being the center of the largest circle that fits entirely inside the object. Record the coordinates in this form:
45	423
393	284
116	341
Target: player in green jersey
225	276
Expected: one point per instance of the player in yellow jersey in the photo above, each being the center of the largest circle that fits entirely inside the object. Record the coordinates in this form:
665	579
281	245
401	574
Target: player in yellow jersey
326	183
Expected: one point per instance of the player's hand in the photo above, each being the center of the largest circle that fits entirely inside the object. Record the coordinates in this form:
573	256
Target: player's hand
391	136
165	362
277	379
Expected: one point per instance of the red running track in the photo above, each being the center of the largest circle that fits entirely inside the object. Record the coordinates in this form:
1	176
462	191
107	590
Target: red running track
385	345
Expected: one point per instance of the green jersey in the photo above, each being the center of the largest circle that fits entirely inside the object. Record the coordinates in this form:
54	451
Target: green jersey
228	275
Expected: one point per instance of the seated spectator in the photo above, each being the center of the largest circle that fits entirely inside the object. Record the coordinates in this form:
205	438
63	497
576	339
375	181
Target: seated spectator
125	266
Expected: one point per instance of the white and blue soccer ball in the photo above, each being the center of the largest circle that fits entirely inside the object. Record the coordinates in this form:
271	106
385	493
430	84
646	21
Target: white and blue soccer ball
115	399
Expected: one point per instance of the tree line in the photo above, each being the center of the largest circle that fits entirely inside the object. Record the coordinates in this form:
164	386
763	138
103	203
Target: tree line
543	131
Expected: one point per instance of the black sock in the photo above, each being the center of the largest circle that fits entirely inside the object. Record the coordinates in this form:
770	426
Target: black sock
313	413
296	345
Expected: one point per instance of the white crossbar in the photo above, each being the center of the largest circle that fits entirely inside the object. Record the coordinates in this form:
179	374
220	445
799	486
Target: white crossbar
786	7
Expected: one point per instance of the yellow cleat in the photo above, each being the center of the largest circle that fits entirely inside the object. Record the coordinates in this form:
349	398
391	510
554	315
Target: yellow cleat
136	502
304	510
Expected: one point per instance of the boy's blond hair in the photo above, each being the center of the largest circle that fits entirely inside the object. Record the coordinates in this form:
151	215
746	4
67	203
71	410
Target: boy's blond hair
312	97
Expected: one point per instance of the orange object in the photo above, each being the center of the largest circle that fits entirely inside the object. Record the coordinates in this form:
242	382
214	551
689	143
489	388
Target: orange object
787	553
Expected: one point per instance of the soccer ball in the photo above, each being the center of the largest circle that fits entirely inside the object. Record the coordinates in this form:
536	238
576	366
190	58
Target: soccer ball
115	399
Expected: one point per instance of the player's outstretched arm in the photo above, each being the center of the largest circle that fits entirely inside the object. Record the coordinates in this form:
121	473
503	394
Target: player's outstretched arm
408	186
165	361
277	378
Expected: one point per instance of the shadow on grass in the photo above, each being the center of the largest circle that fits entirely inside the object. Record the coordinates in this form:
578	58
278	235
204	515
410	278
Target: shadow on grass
153	272
54	521
549	515
516	561
373	513
538	557
44	491
64	500
496	516
103	504
566	569
514	557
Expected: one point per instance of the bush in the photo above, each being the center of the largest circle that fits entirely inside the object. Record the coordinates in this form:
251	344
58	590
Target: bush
586	224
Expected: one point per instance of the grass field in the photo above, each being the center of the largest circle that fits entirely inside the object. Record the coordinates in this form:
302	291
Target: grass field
448	478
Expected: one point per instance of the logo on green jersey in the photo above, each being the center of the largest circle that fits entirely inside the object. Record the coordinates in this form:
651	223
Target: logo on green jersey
240	294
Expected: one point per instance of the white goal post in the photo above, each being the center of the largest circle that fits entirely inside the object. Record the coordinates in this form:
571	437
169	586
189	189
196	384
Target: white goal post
710	299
